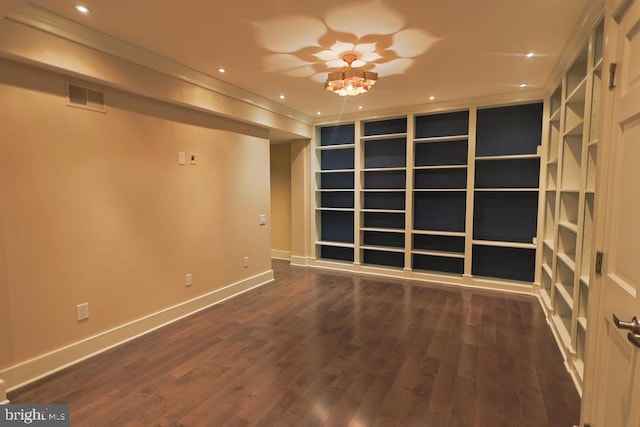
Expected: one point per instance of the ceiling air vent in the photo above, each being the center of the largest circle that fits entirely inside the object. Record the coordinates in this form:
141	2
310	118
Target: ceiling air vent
83	97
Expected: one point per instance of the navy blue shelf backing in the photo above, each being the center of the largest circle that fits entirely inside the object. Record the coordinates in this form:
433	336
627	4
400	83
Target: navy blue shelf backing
336	226
377	200
385	153
441	153
505	216
337	135
337	159
438	263
385	127
338	199
440	178
383	220
509	130
389	259
439	211
337	253
382	238
508	173
505	263
389	180
428	242
336	181
445	124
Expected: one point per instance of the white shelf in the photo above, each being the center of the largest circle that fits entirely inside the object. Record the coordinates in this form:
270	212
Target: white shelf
501	244
555	117
440	167
397	168
547	270
382	248
562	332
567	261
383	137
579	93
383	210
510	157
335	171
336	209
569	226
548	243
582	322
576	129
446	254
384	230
568	299
383	190
584	280
335	244
441	138
439	233
512	190
335	147
439	190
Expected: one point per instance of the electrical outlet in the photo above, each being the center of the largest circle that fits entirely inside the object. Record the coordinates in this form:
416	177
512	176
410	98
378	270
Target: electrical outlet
246	262
82	311
188	279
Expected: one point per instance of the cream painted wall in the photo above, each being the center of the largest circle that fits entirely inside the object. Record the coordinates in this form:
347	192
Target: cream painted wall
281	197
95	209
300	202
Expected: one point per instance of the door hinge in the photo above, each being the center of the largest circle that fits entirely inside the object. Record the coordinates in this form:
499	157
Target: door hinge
612	75
599	256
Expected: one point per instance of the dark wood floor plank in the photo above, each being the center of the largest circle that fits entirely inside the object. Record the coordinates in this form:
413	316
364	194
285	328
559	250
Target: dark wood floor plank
324	348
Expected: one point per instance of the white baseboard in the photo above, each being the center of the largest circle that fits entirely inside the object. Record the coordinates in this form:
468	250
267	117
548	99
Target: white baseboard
3	393
299	261
39	367
278	254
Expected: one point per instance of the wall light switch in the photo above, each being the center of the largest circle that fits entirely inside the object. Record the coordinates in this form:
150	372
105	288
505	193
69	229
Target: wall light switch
262	219
188	279
182	158
82	311
245	262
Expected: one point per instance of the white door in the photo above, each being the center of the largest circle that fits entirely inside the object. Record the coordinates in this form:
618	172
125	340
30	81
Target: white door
616	387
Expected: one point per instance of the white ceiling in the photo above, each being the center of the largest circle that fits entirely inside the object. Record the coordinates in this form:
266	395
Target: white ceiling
450	49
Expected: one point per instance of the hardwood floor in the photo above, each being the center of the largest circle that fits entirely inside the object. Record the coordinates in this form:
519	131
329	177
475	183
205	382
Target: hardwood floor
321	348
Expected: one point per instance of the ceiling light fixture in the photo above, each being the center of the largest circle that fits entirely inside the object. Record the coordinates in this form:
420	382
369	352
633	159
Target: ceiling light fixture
530	55
431	98
350	81
281	96
222	70
82	9
523	85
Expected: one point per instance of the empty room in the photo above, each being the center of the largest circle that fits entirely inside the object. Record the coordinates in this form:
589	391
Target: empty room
350	213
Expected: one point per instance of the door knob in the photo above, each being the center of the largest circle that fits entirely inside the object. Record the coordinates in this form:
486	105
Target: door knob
633	326
634	339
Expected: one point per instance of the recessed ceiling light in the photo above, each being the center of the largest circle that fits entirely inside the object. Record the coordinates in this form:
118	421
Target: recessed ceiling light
523	85
530	55
318	113
281	96
82	9
431	98
222	70
360	107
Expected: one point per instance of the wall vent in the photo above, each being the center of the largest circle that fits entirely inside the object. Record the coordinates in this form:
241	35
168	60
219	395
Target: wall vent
84	97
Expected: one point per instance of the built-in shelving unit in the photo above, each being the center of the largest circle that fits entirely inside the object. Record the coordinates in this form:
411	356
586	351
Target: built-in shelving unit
383	193
507	177
571	157
335	197
446	195
439	192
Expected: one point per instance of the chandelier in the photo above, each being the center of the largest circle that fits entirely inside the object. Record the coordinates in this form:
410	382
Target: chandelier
350	81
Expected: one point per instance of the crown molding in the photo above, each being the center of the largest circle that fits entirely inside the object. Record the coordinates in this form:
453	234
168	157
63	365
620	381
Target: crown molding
589	19
509	98
59	26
